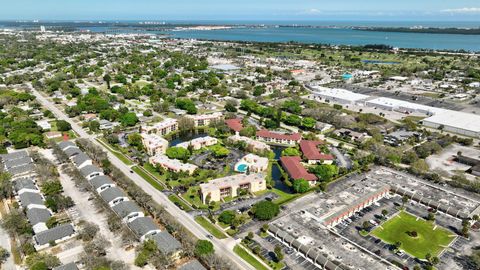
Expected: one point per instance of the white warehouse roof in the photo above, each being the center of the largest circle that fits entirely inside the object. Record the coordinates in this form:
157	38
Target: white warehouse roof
455	119
339	93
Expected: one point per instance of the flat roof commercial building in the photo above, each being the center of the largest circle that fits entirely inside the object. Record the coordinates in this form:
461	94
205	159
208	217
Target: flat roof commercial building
335	95
454	121
230	186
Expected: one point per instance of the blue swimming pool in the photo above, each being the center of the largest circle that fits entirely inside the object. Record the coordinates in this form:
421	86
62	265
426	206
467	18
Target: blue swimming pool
242	168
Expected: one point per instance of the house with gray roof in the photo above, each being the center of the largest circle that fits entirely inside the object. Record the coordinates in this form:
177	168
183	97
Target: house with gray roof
72	151
30	200
17	162
101	182
167	244
91	171
192	265
66	144
22	171
22	185
37	217
68	266
56	234
113	195
14	155
128	211
143	227
81	160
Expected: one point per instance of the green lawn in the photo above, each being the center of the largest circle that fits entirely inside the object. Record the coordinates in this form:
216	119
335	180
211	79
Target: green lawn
429	240
240	251
118	154
175	199
148	178
210	227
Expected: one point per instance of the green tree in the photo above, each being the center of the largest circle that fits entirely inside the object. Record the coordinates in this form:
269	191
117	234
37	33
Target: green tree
204	248
178	153
227	217
278	253
94	126
107	78
231	106
51	222
265	210
325	171
219	151
301	185
129	119
135	139
63	125
308	122
4	254
6	186
52	187
290	152
248	131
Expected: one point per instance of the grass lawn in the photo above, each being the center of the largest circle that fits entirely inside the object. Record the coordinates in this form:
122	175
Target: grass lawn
148	178
210	227
118	154
175	199
240	251
429	240
283	196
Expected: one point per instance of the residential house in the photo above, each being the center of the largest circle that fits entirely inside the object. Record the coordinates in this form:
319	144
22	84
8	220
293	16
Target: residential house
143	227
54	235
199	143
174	165
154	144
113	195
313	155
128	211
201	120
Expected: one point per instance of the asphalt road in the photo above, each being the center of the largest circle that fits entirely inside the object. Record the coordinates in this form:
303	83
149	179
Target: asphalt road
224	247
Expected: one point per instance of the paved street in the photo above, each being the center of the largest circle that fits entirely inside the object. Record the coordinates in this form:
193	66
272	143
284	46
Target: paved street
224	248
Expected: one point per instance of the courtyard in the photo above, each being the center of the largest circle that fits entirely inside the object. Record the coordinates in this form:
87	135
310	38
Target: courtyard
428	238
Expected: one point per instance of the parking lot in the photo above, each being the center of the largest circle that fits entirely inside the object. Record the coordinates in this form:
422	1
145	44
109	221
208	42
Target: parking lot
293	259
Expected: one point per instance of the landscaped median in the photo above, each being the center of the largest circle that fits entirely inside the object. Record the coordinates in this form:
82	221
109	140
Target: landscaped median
118	154
240	251
148	178
217	233
179	202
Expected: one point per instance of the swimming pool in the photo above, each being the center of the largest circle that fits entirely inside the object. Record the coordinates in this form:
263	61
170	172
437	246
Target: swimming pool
242	167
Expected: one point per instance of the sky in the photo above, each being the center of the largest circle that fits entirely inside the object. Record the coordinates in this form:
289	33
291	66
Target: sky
257	10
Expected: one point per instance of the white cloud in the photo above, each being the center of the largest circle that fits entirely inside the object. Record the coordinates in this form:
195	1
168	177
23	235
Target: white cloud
312	11
465	10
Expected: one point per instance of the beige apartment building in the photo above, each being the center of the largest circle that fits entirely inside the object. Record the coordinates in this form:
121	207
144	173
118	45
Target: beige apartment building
231	186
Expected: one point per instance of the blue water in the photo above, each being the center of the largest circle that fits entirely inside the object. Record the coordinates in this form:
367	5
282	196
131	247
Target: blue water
242	167
347	76
339	36
380	62
338	33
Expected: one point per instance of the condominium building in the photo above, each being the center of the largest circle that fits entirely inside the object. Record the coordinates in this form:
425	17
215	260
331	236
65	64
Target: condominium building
174	165
252	163
278	138
154	144
199	143
252	145
162	128
230	186
201	120
313	155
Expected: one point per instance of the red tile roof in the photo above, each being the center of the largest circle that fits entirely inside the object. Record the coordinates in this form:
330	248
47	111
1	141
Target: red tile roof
295	169
311	152
234	124
268	134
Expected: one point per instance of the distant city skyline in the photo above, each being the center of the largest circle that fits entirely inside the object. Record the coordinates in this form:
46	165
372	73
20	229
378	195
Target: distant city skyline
424	10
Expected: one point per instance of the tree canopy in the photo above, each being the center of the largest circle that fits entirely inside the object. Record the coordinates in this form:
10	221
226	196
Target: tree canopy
265	210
